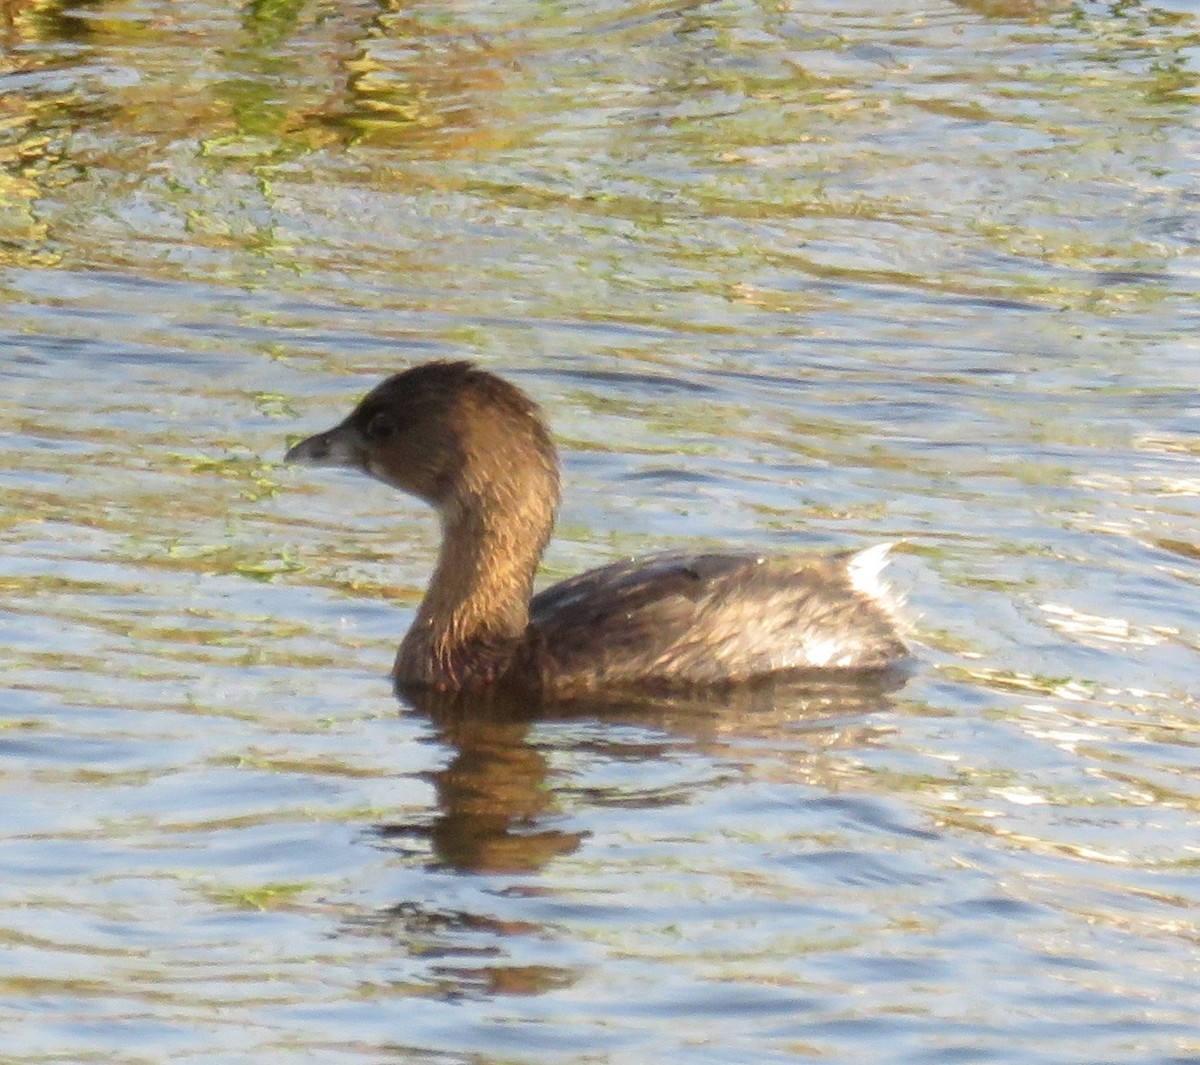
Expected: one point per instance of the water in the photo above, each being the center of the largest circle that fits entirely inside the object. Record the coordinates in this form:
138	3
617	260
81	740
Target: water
783	277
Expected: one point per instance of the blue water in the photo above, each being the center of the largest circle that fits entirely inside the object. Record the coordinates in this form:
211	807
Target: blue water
783	278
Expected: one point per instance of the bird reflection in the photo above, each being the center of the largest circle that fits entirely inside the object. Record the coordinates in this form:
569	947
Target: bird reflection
496	802
499	807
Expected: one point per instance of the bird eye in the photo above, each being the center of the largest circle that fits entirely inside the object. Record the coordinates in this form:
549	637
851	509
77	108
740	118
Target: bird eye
378	428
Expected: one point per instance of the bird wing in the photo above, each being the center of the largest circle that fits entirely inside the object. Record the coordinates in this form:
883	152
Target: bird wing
706	619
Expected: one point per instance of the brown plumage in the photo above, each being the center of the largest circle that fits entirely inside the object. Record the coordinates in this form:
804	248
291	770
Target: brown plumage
477	449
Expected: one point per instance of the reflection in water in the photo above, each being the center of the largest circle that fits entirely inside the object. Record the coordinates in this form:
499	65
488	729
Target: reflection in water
499	800
395	80
47	20
791	275
496	796
494	800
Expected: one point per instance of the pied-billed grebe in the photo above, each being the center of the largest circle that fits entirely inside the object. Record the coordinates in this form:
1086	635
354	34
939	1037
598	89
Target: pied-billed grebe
477	449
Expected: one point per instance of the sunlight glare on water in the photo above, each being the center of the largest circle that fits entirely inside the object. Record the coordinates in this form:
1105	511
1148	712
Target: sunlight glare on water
783	277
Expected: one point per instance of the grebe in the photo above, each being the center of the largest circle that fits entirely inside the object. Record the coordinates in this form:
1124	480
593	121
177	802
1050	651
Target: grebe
477	449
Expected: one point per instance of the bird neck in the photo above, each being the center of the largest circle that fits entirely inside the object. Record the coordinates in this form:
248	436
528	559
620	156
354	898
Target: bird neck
476	609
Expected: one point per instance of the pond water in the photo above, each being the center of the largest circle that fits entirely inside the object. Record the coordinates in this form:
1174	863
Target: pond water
784	276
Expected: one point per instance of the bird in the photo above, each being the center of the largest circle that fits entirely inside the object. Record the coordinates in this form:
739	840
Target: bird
478	450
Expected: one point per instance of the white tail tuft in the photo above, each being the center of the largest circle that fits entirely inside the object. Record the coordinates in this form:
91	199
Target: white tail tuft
866	575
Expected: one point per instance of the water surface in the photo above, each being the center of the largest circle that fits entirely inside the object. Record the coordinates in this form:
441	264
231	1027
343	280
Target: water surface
783	277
